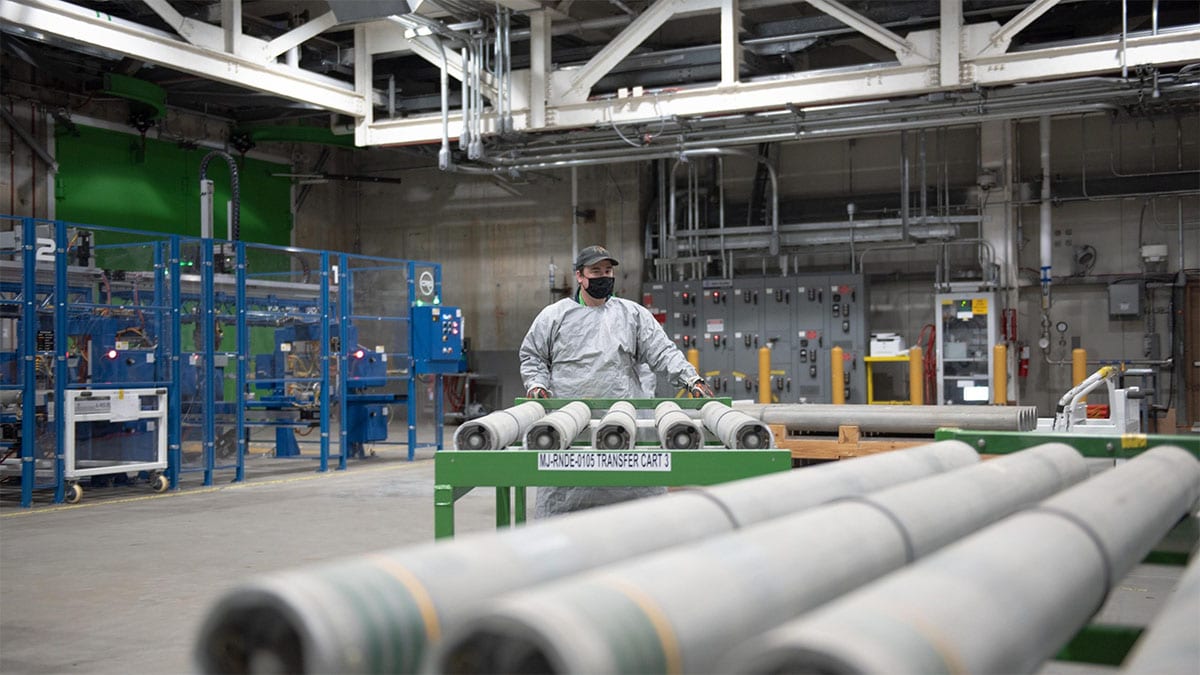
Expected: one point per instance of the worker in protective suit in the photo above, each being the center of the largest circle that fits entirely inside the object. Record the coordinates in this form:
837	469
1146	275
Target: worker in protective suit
591	346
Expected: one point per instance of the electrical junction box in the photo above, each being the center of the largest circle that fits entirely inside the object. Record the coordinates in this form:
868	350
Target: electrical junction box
1124	300
437	334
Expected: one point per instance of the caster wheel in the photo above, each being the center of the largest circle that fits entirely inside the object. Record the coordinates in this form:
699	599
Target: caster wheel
159	483
74	494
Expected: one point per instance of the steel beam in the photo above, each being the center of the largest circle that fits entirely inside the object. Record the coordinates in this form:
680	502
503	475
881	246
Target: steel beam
999	40
71	22
949	41
298	35
731	45
1166	48
574	85
904	49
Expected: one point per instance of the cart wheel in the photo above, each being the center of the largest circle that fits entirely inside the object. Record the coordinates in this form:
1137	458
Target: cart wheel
74	494
159	483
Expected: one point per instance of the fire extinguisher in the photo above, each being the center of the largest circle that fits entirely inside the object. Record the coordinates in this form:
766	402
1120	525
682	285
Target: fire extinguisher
1023	363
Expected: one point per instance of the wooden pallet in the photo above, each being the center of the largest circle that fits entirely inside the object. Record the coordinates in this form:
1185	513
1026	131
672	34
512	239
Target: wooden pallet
847	444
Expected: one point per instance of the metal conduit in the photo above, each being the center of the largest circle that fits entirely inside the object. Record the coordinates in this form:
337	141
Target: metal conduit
704	599
1169	644
913	419
1003	600
379	613
559	429
617	430
498	430
676	430
735	428
235	227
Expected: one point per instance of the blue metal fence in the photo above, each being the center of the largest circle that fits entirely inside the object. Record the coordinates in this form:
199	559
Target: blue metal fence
320	338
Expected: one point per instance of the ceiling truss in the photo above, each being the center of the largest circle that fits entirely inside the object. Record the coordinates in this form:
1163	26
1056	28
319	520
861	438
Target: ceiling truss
954	56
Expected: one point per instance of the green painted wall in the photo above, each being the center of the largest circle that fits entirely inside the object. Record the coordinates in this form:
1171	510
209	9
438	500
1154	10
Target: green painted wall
105	178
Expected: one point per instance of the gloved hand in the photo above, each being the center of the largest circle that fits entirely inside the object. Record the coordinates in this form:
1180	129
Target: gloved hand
537	392
700	389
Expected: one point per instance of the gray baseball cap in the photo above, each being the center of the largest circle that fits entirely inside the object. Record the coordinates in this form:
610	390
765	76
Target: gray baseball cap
592	255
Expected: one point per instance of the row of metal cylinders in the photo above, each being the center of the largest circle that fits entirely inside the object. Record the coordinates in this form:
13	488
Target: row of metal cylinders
919	560
617	429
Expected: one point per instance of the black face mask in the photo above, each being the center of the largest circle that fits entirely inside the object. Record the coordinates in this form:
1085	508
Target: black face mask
600	287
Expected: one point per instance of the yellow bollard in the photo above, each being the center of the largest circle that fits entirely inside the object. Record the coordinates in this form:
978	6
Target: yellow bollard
836	366
916	376
693	357
1078	368
764	375
1000	382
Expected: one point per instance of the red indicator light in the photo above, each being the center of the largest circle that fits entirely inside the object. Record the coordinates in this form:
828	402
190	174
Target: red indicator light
112	353
358	353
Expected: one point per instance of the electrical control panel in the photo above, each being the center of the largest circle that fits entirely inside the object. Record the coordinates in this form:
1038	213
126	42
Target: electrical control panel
799	317
437	339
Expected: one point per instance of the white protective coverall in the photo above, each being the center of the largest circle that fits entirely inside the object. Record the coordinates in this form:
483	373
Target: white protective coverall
576	351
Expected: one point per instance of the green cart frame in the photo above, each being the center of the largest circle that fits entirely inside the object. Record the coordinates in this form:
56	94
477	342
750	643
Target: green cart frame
511	471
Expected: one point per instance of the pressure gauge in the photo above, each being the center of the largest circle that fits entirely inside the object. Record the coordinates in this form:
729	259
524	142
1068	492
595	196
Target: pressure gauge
1061	326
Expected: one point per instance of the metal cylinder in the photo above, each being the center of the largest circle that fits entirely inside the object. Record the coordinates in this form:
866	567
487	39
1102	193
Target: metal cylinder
693	357
379	613
617	430
500	429
916	376
560	428
909	419
1169	645
682	609
736	429
676	430
764	375
1003	600
836	375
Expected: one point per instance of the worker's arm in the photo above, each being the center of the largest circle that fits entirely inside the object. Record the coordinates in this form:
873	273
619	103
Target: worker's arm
656	350
535	355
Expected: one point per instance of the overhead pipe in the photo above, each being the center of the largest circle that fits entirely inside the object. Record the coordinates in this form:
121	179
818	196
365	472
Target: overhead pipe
682	610
559	429
314	620
1046	239
676	430
735	428
913	419
1169	644
617	430
500	429
1003	600
444	160
905	186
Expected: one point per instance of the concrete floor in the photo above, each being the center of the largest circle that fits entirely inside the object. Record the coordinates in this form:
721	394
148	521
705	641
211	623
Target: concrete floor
120	582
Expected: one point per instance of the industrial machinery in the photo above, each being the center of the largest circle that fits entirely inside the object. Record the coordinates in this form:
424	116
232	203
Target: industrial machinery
967	330
1124	410
216	339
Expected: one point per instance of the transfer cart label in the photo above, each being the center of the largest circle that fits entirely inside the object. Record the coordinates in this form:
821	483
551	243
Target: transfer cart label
604	461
